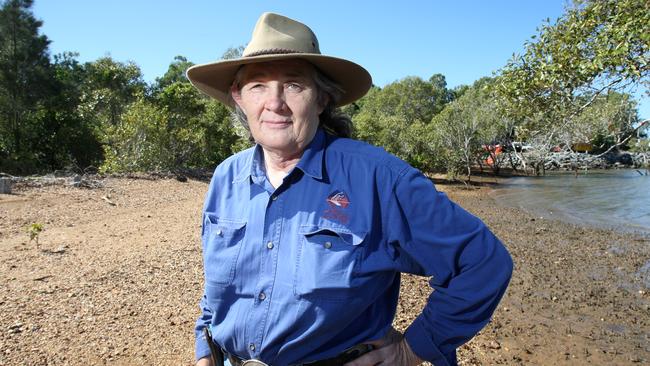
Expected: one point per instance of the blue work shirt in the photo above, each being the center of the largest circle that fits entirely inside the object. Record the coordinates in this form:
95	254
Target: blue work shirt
307	270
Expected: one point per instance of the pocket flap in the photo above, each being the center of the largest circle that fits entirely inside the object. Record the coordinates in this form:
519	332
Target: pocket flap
227	225
347	235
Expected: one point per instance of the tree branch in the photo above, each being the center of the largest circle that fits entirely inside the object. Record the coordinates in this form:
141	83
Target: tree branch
593	97
643	123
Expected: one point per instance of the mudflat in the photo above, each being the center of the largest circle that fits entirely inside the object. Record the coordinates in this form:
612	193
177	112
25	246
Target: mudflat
116	276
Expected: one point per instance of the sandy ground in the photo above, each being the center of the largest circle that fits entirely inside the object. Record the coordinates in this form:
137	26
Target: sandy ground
116	277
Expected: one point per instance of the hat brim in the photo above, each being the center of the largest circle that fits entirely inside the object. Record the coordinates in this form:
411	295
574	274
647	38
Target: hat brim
215	78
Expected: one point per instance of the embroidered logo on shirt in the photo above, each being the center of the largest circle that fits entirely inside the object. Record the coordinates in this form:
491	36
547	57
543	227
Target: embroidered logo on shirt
338	202
338	199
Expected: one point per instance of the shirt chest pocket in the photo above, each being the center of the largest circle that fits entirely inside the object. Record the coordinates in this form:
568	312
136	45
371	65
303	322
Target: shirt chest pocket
222	241
326	263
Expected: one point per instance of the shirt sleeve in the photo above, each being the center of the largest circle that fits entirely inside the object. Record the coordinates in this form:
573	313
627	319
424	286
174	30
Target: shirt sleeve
201	348
469	267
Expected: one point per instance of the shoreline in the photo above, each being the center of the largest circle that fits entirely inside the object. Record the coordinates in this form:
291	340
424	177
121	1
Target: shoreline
577	294
499	191
110	283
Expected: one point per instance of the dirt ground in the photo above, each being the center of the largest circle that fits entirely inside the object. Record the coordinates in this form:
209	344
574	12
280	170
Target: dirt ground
116	277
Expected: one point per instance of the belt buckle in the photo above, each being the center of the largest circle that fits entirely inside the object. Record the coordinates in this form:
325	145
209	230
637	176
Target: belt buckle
253	363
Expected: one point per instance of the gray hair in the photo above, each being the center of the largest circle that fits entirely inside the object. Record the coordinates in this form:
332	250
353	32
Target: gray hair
332	120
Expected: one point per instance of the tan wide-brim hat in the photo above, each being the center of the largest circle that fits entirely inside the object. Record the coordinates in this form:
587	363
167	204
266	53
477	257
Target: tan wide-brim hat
276	37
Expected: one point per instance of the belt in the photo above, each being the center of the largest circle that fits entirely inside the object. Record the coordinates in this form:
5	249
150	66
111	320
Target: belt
342	358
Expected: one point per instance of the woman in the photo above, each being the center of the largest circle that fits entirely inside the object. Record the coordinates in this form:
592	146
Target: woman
305	235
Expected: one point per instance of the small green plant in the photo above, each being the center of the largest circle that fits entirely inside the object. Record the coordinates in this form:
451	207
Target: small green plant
34	230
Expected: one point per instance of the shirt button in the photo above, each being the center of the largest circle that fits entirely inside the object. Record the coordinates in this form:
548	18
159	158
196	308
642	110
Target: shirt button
219	232
274	197
269	245
251	347
327	245
261	296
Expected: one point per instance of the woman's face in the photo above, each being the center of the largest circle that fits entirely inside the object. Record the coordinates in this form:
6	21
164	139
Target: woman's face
281	103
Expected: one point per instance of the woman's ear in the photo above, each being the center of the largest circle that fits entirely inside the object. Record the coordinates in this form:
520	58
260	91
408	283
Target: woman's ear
235	93
322	102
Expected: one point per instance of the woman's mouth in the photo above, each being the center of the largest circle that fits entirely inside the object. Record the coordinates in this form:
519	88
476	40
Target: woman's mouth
277	124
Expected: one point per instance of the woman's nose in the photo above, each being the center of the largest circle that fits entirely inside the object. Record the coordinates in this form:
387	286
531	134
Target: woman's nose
275	99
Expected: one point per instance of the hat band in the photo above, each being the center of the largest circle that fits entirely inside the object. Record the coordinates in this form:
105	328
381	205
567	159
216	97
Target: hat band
272	51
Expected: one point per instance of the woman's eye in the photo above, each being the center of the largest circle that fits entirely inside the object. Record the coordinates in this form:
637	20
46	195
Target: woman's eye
294	86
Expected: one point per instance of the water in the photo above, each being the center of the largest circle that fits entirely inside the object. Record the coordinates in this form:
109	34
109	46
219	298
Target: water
613	199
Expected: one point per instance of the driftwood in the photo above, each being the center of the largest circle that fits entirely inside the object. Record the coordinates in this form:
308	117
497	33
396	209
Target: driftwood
571	161
80	181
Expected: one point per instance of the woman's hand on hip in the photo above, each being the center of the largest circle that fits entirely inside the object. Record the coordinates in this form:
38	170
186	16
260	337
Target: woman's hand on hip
390	350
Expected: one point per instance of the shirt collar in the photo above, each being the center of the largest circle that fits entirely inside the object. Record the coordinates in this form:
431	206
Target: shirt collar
253	165
311	162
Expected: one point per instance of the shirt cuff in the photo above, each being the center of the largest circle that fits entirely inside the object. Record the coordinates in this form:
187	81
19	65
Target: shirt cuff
201	348
421	343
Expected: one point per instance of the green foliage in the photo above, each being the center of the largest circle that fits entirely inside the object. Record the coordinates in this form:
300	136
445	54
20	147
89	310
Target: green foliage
595	47
151	138
200	129
176	127
71	141
34	230
24	63
52	113
568	86
604	121
639	144
40	127
220	137
108	87
134	144
562	89
458	91
175	73
396	118
411	98
467	125
354	108
232	53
